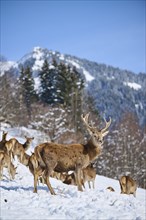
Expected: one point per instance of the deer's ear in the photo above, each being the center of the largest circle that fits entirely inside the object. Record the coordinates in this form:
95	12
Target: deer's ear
105	133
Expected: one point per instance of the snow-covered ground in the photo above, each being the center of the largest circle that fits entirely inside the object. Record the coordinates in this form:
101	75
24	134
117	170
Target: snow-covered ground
17	200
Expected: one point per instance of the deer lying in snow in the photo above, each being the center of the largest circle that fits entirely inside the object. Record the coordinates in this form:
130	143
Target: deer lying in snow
5	162
128	185
88	175
16	148
70	179
71	157
111	189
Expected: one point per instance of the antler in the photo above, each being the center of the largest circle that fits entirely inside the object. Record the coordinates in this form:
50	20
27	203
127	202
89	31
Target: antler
85	120
107	125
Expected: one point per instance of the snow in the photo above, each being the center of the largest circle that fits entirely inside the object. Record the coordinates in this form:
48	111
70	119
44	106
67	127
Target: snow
36	49
39	56
61	57
20	203
5	66
51	67
85	72
87	75
133	85
36	83
38	65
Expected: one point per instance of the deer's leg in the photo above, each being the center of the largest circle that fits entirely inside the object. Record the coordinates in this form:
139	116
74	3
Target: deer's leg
128	189
122	188
78	177
134	194
93	184
46	178
21	156
89	184
12	170
1	172
50	166
83	183
35	182
9	170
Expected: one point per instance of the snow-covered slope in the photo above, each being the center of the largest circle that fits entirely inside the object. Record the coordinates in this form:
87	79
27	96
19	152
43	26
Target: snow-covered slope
17	200
6	66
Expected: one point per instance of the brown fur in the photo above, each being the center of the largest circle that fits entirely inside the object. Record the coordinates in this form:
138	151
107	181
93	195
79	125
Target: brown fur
25	159
16	148
36	170
58	176
88	174
70	179
128	185
75	157
5	161
3	141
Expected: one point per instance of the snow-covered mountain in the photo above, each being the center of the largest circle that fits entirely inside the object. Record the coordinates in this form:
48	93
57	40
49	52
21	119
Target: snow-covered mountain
114	90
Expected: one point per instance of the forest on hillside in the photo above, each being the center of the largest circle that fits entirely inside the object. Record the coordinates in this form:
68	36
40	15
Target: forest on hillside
55	108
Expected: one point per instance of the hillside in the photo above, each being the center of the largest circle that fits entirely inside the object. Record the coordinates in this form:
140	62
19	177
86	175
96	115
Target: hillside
115	91
19	202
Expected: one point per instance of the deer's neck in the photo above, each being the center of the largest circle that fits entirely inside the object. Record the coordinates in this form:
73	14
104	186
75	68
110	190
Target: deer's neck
93	148
25	159
26	145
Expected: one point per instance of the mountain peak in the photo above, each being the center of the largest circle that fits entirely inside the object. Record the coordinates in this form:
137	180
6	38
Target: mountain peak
113	90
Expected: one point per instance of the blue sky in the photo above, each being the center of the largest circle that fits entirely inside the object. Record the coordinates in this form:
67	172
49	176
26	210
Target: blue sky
110	32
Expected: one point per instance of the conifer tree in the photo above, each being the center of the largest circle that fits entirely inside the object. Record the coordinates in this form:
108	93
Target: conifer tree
48	90
70	85
64	85
76	96
45	83
27	91
53	72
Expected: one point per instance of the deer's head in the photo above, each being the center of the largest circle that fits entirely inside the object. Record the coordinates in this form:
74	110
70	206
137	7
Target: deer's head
29	140
4	135
96	134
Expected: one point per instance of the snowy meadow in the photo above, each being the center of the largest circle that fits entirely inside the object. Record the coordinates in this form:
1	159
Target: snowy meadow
17	200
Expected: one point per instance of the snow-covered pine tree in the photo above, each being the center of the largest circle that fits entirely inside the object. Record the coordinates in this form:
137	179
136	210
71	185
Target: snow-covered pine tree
48	84
53	72
76	96
26	84
64	85
45	83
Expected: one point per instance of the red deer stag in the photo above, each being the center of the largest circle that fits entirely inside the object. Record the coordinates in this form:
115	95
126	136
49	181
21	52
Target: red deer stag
75	157
128	185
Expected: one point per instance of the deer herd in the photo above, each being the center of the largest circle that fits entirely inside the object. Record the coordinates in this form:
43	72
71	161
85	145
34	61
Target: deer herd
57	160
